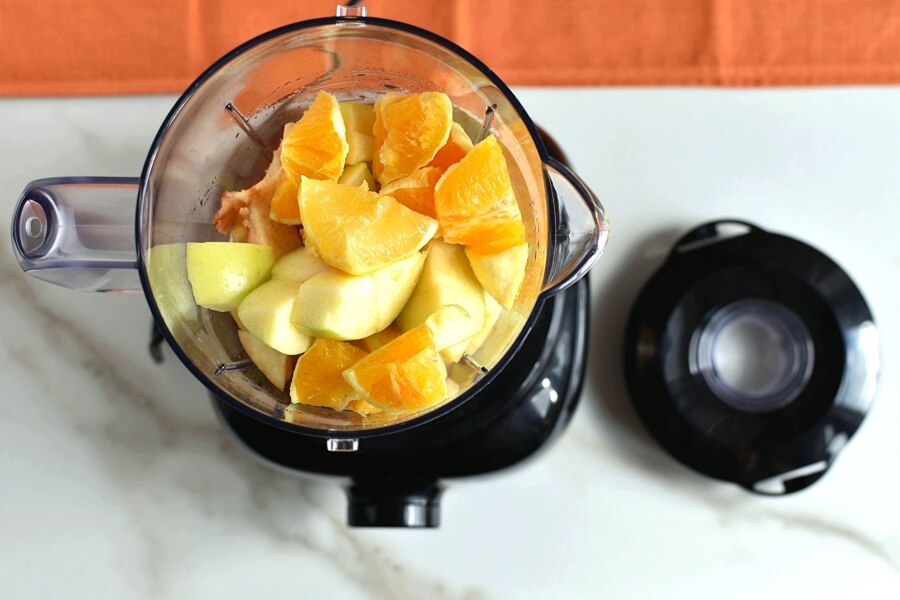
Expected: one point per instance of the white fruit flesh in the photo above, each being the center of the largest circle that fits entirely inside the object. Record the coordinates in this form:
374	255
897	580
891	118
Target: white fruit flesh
355	174
337	306
501	274
446	279
223	273
492	310
298	265
359	119
450	326
277	367
266	313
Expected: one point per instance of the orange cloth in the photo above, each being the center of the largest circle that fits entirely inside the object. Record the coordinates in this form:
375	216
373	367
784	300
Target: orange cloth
59	47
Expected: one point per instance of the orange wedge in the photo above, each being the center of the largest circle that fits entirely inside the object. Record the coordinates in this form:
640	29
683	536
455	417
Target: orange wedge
409	130
475	202
415	191
317	376
405	375
457	146
357	231
285	202
316	147
362	408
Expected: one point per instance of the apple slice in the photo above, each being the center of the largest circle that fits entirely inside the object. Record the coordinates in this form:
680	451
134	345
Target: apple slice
492	310
450	326
298	265
223	273
337	306
356	174
266	313
277	367
501	274
446	279
359	120
380	338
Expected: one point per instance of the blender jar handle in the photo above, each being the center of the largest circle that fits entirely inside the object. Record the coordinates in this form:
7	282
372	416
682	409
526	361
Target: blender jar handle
78	232
581	232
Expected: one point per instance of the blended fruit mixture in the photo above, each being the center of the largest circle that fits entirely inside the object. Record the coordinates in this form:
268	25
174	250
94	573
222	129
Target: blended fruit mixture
380	246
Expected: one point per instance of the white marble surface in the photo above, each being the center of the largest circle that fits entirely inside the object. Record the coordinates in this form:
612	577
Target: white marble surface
117	482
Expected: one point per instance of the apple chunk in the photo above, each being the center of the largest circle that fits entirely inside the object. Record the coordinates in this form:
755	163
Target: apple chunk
501	274
277	367
451	326
359	120
337	306
298	265
492	311
380	338
223	273
266	313
446	279
356	174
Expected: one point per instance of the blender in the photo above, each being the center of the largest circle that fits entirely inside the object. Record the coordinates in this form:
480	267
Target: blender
516	392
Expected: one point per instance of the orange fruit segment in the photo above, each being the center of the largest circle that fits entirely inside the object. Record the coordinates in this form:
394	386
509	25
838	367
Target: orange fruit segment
285	202
409	131
362	408
318	378
357	231
316	146
475	202
415	191
405	375
457	146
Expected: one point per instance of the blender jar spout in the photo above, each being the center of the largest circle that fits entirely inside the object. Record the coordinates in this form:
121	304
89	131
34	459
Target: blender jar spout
581	228
78	232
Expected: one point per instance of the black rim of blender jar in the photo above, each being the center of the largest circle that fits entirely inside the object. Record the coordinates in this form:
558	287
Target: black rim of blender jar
204	377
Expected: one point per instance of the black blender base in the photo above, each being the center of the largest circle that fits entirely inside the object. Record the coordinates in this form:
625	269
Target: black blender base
394	479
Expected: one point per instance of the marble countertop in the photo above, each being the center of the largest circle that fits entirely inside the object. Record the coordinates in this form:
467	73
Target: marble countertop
116	480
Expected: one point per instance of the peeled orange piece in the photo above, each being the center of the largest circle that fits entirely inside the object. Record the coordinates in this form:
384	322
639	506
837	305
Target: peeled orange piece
405	375
475	202
457	146
318	378
415	191
356	230
362	408
316	147
317	144
409	130
285	202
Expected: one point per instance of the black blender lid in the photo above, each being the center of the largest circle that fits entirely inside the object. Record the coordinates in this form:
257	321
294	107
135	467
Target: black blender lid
751	357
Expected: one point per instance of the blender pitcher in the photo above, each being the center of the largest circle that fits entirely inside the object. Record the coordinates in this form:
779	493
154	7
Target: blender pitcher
129	234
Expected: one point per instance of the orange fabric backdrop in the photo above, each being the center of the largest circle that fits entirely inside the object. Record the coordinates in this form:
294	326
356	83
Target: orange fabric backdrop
56	47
